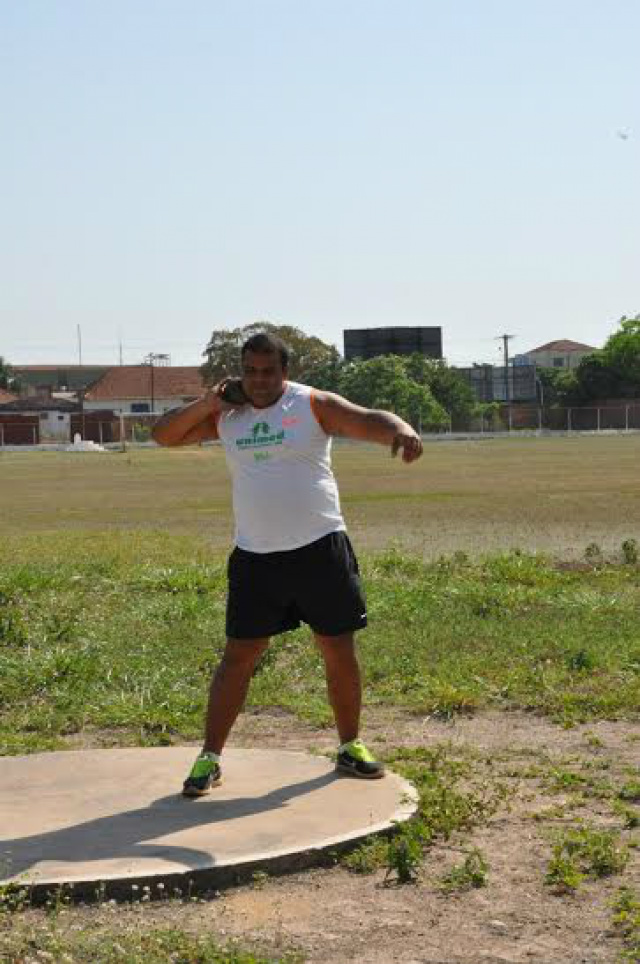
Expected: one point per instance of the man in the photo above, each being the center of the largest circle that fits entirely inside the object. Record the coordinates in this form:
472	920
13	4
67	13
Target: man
292	560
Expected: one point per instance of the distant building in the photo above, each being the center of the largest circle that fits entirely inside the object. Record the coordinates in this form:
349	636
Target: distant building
367	343
488	382
46	379
6	396
131	389
558	354
53	414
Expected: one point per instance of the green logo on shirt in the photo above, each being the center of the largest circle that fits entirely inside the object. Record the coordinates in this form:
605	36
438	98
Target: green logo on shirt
261	435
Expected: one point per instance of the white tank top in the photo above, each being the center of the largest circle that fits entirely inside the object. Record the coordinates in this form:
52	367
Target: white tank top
284	491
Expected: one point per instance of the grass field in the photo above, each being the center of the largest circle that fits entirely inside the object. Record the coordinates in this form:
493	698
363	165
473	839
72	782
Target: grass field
552	495
103	549
482	597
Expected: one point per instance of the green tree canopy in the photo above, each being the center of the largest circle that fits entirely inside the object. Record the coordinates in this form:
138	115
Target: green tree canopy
327	376
8	381
610	372
595	379
307	353
384	383
622	356
449	389
560	386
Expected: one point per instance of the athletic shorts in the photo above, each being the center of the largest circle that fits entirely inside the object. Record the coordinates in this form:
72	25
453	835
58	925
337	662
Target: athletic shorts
273	592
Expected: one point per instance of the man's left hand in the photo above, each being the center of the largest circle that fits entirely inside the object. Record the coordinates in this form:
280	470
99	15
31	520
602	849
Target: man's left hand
410	443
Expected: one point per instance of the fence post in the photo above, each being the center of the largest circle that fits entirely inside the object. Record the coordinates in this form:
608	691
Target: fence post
509	422
598	411
626	418
35	434
568	420
123	440
100	432
1	435
539	419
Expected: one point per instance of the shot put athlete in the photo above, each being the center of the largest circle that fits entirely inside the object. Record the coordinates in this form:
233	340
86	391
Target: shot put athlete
292	560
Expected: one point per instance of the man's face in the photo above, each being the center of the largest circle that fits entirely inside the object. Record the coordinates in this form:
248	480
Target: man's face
263	377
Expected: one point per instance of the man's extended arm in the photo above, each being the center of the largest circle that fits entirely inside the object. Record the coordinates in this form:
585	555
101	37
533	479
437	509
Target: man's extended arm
341	417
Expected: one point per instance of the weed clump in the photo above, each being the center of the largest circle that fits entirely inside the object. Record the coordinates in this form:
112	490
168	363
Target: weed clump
630	552
450	799
584	852
472	872
593	554
626	920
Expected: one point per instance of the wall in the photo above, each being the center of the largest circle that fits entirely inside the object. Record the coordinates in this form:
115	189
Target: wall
544	359
123	405
18	429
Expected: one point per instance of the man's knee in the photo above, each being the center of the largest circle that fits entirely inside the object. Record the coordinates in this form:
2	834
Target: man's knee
243	652
336	647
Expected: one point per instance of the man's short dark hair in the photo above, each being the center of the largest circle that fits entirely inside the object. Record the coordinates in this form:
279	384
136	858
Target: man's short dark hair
264	344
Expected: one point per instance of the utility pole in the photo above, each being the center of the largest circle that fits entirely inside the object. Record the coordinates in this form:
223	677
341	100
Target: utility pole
81	392
149	360
505	340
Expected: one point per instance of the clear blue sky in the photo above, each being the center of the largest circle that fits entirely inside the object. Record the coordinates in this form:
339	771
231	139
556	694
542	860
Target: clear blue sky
171	167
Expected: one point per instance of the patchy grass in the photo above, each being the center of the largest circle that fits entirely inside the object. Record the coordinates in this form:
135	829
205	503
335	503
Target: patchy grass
553	495
51	942
584	852
456	793
112	594
626	920
471	873
127	645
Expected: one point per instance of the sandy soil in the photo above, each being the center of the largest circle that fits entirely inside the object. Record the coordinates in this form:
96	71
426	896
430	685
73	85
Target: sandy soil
333	915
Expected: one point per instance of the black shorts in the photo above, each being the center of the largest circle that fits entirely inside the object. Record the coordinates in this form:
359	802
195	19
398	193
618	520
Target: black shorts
273	592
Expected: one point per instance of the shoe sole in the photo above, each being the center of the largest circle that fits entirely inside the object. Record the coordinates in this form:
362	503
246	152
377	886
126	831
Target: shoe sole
341	768
194	792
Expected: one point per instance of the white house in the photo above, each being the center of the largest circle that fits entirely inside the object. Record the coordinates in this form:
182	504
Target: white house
143	389
54	415
563	353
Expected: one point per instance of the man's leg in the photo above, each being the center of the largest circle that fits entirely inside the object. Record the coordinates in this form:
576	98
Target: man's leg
343	682
229	688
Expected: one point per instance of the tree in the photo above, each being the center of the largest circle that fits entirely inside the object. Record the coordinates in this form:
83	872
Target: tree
383	383
327	376
8	381
621	355
307	353
596	379
611	372
450	389
560	386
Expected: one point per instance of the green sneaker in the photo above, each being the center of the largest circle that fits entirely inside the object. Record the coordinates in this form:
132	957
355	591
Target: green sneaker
355	759
205	774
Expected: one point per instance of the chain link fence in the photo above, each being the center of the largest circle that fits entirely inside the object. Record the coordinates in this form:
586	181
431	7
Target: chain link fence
513	419
136	429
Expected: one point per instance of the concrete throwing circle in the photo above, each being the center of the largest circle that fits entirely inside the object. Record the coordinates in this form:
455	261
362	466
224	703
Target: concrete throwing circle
115	820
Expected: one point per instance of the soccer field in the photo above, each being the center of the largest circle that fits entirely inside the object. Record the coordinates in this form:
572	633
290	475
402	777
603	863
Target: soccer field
556	495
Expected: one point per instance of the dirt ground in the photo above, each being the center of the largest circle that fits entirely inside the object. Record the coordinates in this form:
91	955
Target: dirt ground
333	915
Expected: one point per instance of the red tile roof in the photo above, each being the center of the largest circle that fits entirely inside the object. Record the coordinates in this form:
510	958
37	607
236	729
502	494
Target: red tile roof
134	381
6	397
55	368
564	344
